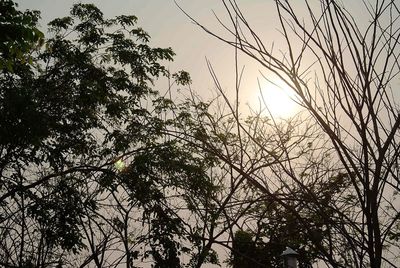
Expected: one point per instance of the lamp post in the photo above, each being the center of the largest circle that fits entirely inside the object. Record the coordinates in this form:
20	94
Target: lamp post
289	258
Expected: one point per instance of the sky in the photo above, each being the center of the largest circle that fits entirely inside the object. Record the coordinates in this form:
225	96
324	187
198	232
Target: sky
168	26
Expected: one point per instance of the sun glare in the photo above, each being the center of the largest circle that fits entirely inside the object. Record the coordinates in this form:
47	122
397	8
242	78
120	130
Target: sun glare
119	165
276	99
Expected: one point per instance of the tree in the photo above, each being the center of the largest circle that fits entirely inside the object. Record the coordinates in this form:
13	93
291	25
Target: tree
88	175
249	251
20	34
343	71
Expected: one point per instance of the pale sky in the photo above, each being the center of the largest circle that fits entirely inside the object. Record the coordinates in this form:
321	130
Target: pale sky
169	27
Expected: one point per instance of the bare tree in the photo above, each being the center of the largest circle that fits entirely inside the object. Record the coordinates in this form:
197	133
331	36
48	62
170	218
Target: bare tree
343	71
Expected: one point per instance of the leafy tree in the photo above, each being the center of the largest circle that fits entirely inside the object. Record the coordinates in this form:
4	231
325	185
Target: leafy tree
248	252
343	71
88	175
19	34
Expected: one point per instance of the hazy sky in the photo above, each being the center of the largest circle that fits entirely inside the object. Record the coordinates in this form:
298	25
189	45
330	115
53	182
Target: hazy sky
169	27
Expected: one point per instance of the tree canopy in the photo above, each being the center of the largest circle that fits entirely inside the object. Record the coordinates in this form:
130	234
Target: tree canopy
87	174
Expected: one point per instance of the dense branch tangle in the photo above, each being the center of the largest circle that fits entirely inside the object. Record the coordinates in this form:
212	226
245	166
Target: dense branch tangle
343	70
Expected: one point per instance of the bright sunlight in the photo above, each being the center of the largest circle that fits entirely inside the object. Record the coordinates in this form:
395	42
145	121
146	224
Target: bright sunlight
275	98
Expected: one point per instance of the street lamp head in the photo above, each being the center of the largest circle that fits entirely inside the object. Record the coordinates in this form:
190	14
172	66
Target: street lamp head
289	258
289	252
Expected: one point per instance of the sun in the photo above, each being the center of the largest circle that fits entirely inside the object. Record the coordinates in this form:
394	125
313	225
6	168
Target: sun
276	99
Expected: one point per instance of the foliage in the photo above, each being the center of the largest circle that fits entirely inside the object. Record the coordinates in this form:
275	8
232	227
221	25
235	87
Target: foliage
19	34
249	251
87	173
